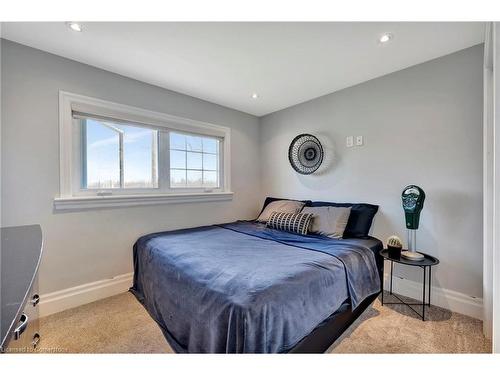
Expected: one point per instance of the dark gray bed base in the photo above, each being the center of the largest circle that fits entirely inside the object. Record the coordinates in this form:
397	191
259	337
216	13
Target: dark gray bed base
325	334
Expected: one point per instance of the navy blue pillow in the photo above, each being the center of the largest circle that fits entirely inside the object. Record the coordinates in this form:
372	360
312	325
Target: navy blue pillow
272	199
360	219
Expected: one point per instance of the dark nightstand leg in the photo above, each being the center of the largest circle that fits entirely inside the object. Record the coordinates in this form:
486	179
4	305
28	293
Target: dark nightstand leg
392	263
423	297
383	272
430	282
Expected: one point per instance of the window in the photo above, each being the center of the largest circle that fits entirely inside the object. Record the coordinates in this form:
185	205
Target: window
117	156
113	154
194	161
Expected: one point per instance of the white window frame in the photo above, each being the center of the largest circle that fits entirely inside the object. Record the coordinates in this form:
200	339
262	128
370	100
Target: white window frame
71	195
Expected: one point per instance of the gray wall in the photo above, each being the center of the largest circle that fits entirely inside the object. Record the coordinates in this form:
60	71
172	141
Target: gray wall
86	246
421	125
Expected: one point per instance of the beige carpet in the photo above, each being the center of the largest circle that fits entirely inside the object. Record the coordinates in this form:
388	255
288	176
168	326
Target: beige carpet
120	324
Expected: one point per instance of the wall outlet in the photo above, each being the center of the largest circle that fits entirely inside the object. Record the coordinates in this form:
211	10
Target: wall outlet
359	140
349	141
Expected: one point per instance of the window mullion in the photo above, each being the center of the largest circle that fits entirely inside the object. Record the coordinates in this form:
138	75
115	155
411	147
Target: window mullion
154	159
122	184
186	161
164	161
220	164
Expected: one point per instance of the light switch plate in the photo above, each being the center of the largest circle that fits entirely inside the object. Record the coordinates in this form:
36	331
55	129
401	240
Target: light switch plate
359	140
349	141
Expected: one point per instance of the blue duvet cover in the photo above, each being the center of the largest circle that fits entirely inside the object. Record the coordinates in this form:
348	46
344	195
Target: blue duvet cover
245	288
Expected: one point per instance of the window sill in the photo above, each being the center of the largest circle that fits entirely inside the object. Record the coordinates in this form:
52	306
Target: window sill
91	202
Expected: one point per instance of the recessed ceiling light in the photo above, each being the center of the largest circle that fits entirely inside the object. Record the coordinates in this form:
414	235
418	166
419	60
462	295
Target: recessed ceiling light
75	26
385	38
255	95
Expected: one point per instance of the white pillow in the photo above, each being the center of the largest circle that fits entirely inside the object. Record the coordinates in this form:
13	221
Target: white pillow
291	207
328	221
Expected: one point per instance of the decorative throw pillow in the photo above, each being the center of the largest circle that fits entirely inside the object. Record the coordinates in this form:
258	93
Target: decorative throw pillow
329	221
273	199
297	223
292	207
360	219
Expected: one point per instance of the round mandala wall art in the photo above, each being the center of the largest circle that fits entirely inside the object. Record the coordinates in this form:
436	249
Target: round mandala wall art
305	154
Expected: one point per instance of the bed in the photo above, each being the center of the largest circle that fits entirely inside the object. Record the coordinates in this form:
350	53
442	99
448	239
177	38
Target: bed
244	288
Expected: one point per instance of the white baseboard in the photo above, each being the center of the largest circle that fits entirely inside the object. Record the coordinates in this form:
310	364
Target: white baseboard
61	300
445	298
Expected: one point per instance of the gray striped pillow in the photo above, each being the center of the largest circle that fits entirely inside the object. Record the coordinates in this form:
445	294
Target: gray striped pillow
290	222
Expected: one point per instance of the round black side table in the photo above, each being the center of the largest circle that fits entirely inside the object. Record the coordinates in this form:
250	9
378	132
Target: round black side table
425	264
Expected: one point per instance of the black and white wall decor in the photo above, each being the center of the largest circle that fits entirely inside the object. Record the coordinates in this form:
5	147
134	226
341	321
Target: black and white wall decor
305	154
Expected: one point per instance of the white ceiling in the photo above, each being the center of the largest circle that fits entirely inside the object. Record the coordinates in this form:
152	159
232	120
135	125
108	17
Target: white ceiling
224	63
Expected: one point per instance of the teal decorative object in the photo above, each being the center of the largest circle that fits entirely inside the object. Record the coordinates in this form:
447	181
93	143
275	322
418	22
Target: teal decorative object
413	198
413	202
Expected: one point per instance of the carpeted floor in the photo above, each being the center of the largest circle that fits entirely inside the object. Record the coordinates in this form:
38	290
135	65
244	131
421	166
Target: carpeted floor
120	324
